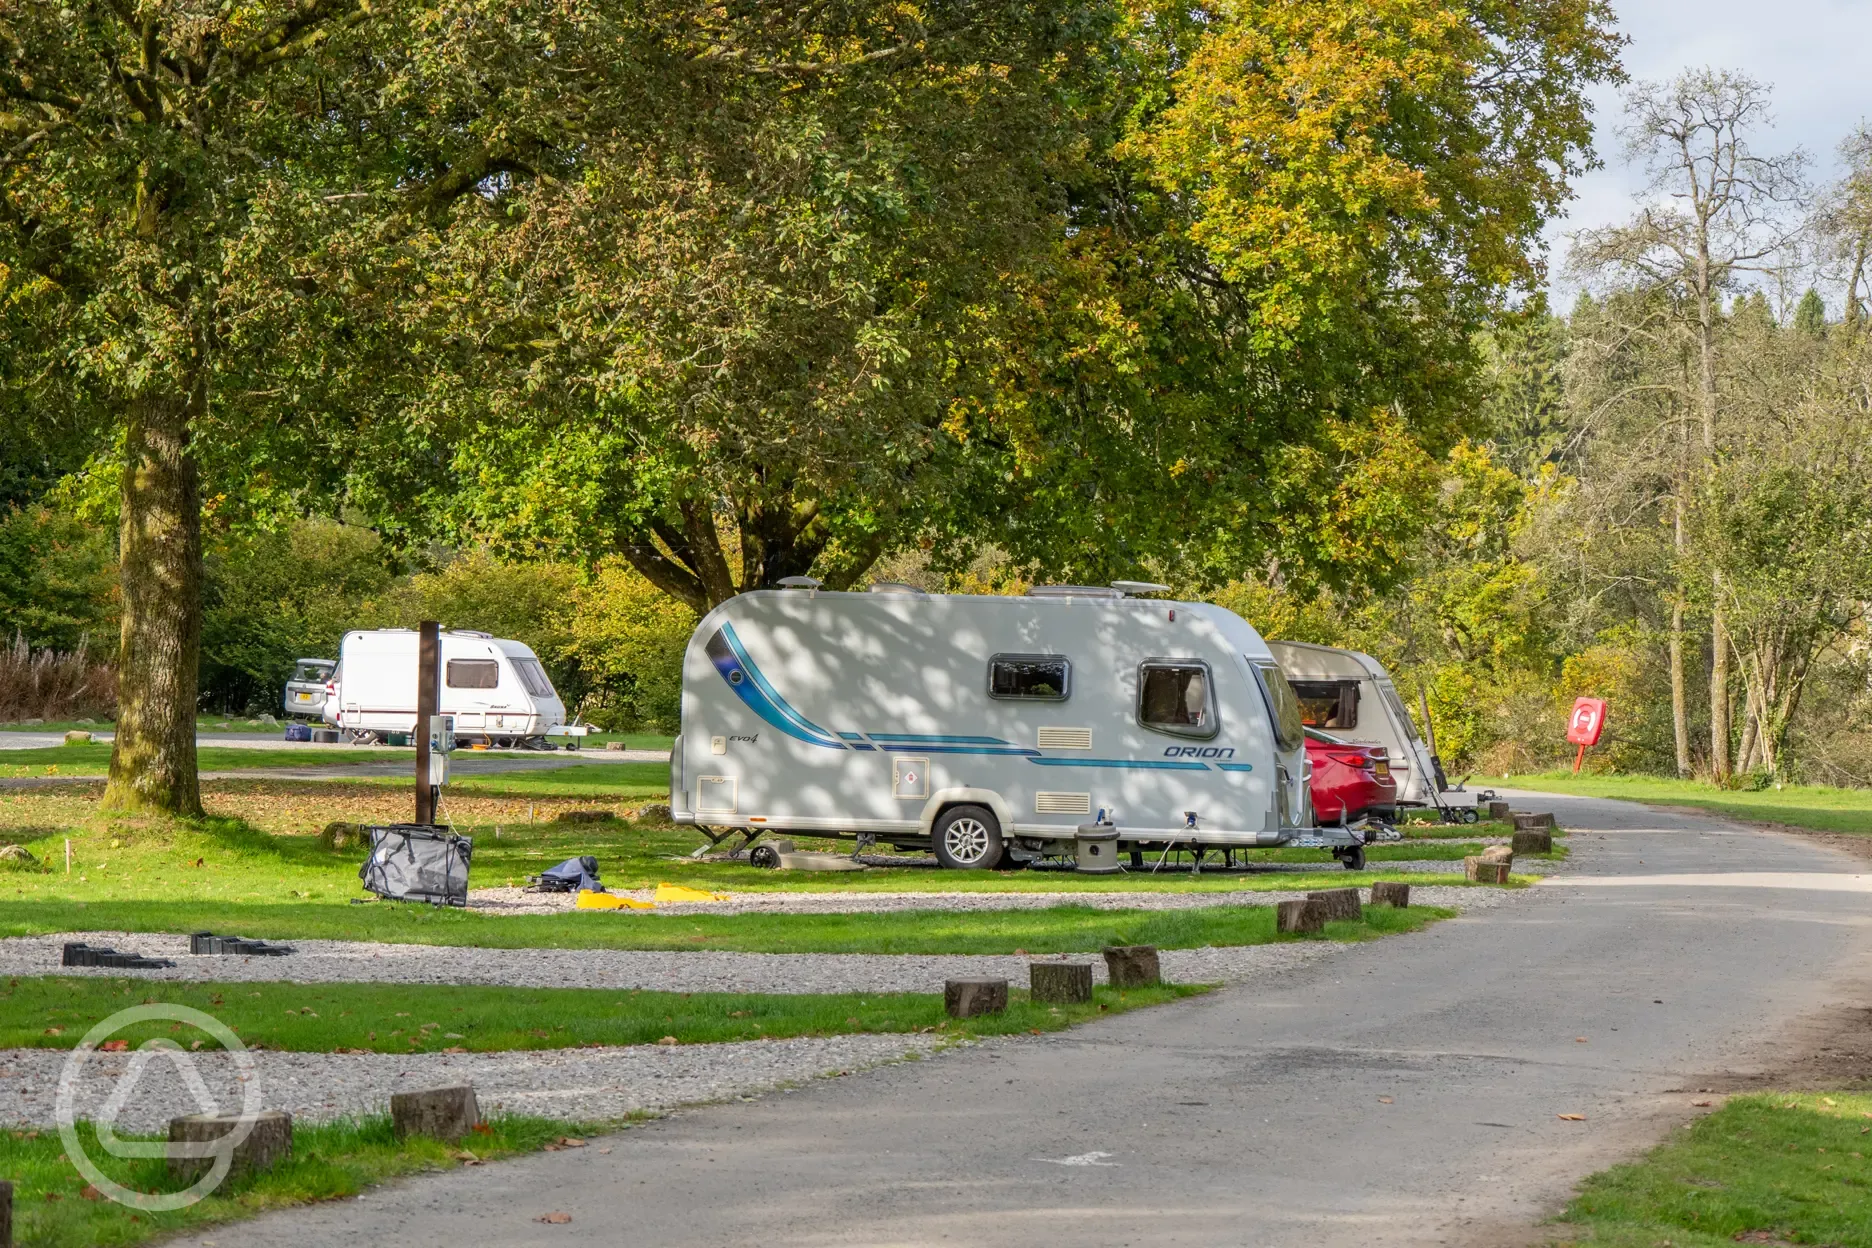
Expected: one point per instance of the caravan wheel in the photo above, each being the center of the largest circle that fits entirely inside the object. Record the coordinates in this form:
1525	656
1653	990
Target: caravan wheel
967	838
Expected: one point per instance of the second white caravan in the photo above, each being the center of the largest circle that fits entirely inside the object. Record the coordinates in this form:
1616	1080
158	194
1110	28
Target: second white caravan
990	728
1351	695
496	689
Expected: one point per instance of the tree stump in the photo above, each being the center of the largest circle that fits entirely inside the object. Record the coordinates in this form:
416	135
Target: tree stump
1479	872
1339	903
1525	821
1533	841
1498	853
1299	917
1498	810
267	1144
965	998
1387	893
6	1213
439	1113
1132	966
1060	983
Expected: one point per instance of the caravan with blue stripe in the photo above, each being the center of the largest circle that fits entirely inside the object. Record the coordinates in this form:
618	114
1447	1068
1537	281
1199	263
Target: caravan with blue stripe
991	729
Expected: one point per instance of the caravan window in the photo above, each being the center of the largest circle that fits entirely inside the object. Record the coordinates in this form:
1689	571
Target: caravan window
1045	677
1328	703
533	676
1283	706
473	674
1389	693
1174	696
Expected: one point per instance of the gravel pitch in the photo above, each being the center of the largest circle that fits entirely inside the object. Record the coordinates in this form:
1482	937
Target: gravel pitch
520	901
578	1084
331	961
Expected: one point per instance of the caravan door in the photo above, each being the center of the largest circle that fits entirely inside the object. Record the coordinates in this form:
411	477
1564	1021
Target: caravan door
1294	792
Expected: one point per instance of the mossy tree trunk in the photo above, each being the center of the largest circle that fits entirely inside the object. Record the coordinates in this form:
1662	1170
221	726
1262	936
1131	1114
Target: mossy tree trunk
159	654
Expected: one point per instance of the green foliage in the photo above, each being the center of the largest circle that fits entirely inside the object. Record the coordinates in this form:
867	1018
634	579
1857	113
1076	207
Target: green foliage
58	579
276	596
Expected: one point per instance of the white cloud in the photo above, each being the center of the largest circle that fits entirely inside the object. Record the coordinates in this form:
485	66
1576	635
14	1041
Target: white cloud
1816	54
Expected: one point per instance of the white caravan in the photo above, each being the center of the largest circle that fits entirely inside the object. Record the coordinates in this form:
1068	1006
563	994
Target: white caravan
1352	696
495	689
986	728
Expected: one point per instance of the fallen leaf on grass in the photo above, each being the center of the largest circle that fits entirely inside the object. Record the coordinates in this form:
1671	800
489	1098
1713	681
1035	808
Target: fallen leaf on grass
1572	1117
91	1193
556	1218
55	1031
454	1048
114	1046
669	1040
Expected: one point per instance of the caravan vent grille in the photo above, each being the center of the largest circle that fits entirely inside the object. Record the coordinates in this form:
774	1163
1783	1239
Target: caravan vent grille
1065	738
1062	803
716	795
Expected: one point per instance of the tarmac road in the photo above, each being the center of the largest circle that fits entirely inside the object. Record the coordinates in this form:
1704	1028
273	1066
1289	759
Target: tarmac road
1403	1092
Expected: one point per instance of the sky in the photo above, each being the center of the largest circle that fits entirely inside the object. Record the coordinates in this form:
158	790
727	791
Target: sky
1815	54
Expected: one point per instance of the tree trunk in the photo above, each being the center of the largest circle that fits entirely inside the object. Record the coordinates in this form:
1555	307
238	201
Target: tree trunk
1680	701
159	653
1719	689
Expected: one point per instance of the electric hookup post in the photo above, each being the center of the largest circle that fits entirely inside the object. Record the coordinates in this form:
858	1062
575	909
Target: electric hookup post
428	657
1585	725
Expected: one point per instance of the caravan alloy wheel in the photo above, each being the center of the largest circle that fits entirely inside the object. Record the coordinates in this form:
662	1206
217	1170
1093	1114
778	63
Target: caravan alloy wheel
967	838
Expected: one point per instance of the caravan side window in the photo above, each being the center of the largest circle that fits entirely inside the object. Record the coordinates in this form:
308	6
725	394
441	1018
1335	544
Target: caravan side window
1283	706
1041	677
473	674
1329	704
1174	695
533	676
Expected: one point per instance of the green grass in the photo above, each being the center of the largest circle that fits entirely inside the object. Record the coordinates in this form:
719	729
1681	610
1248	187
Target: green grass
329	1162
54	1012
612	781
1056	929
1800	806
94	759
1776	1168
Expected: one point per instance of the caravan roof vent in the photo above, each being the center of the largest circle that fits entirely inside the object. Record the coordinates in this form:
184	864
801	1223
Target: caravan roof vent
799	582
1073	591
1133	589
470	632
893	587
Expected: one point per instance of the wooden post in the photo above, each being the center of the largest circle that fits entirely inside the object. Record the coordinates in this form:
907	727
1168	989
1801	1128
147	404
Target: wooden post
1388	893
1338	903
428	650
1132	966
1480	872
1525	821
266	1145
1533	841
6	1213
965	998
1299	917
439	1113
1060	983
1498	810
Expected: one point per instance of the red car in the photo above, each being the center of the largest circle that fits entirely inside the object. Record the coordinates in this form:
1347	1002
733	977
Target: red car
1350	781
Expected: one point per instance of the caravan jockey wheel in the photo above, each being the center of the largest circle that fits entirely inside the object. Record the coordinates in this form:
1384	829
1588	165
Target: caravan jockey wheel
1352	859
967	838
